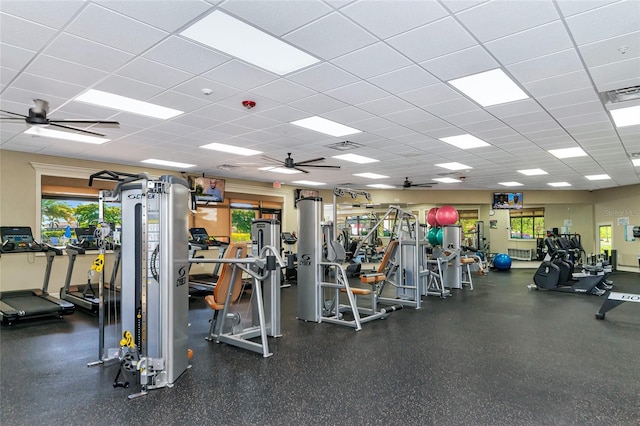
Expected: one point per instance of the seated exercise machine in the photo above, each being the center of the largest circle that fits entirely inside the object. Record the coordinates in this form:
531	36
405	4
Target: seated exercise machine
263	313
556	273
290	271
203	283
25	304
321	273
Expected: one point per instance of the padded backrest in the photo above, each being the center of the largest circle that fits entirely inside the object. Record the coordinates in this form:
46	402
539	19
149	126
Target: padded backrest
388	254
234	251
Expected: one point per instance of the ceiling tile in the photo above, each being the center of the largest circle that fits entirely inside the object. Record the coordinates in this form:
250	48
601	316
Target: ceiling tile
460	64
558	84
496	19
124	33
371	61
279	17
617	75
283	91
572	7
25	34
86	52
194	87
546	66
318	104
432	40
404	80
166	15
458	5
387	105
540	41
607	51
179	101
185	55
41	86
413	115
569	98
357	93
153	73
57	69
430	95
605	22
388	18
14	57
54	14
127	87
323	77
331	36
239	75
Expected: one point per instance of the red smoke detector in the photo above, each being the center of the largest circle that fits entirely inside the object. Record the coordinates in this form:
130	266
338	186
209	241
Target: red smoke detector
248	104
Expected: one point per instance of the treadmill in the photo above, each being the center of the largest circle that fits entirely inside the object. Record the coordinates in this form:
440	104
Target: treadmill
86	296
25	304
202	284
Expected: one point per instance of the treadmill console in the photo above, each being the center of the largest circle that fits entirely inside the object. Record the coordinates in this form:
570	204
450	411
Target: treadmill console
86	238
18	239
288	238
200	237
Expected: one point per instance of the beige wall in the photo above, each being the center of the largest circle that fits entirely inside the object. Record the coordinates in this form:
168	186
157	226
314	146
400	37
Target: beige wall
19	198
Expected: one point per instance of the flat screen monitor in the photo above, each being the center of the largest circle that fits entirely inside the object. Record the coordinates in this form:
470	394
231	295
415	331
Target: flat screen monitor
507	200
208	190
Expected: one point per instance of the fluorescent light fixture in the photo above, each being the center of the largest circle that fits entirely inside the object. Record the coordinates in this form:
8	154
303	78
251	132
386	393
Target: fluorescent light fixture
629	116
168	163
598	177
489	88
533	172
381	186
355	158
238	39
230	149
559	184
325	126
464	141
59	134
510	183
308	182
447	180
568	152
454	166
636	162
371	175
122	103
282	170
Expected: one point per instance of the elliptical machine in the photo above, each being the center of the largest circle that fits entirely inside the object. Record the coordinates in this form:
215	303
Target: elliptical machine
556	273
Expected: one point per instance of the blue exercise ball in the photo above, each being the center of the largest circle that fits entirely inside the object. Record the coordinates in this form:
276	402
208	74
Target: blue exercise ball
502	262
440	236
432	236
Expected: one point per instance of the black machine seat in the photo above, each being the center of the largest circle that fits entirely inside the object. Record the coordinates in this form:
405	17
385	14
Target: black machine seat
288	238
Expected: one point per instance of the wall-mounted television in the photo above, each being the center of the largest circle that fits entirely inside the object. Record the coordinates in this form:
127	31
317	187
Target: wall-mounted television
507	200
207	190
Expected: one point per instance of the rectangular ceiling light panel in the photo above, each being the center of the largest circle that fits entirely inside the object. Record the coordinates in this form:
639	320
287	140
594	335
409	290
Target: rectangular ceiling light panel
59	134
282	170
568	152
355	158
489	88
308	182
532	172
636	162
447	180
325	126
510	183
122	103
371	175
380	186
559	184
626	116
598	177
464	141
168	163
230	149
238	39
454	166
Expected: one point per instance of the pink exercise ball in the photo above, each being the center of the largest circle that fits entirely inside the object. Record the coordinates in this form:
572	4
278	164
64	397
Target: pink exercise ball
447	215
431	217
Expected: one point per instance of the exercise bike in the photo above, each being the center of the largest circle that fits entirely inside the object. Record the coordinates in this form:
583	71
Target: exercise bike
556	273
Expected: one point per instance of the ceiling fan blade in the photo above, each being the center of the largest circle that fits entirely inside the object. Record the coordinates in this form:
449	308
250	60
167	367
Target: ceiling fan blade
310	161
303	171
13	113
424	185
272	159
97	123
76	129
319	166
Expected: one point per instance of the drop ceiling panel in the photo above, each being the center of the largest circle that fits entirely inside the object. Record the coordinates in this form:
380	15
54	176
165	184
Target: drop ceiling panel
25	34
42	87
50	13
167	15
185	55
540	41
388	18
57	69
278	17
194	86
323	77
404	80
318	104
547	66
461	64
14	57
330	37
605	22
612	50
239	75
283	113
154	73
348	114
496	19
617	75
558	84
372	60
569	98
572	7
86	52
357	93
412	115
451	107
444	36
171	99
124	33
6	75
384	106
283	91
127	87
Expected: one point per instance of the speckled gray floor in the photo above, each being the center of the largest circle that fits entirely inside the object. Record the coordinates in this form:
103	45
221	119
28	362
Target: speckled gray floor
500	355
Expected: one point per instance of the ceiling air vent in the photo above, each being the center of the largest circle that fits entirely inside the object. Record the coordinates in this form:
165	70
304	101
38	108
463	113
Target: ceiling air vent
344	146
623	95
